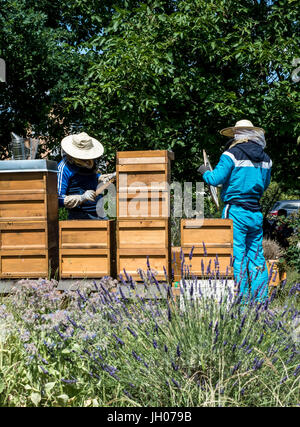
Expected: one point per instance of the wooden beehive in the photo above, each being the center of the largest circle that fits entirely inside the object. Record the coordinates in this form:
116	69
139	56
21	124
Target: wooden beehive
28	219
28	190
28	249
207	245
143	233
143	179
141	242
132	260
86	248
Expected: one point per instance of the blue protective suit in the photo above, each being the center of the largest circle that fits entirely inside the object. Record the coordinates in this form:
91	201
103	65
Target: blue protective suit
245	172
72	179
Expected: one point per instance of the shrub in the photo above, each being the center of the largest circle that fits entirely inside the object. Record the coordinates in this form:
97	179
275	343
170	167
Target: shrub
272	249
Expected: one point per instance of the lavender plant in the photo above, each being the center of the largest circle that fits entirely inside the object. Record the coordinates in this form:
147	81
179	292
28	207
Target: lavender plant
98	346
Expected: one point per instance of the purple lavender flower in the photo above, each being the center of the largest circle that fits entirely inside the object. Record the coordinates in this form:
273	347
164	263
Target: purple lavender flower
191	253
204	249
175	382
178	352
132	332
174	366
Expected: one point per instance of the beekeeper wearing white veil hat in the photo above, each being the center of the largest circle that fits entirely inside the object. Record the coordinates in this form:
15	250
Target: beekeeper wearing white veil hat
244	170
78	177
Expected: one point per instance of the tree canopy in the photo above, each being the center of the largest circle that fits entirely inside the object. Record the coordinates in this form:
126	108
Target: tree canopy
156	74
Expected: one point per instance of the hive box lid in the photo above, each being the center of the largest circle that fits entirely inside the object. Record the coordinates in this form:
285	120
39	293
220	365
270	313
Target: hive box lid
38	165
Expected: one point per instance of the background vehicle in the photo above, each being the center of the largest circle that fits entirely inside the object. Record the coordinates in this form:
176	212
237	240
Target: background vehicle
290	206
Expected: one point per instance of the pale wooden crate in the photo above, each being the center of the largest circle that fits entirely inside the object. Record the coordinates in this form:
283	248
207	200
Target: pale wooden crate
143	179
86	248
28	196
84	263
89	234
143	233
143	205
28	263
211	243
210	231
133	260
28	235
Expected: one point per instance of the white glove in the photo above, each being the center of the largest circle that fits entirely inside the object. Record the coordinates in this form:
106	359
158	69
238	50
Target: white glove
106	177
89	196
73	201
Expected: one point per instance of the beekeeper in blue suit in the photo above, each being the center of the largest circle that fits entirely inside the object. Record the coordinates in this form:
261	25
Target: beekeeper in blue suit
244	170
77	177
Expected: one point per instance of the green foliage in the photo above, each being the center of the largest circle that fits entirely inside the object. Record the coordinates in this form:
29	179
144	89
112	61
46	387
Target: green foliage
62	214
171	77
292	254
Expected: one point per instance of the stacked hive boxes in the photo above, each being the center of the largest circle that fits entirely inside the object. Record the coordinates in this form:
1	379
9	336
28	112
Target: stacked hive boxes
210	243
143	225
28	219
86	248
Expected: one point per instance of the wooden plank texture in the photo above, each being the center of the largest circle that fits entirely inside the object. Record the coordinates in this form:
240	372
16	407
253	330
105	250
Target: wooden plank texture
146	206
134	259
78	263
213	232
143	233
85	234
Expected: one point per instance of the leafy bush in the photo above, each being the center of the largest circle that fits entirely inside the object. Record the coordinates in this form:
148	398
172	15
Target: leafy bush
95	347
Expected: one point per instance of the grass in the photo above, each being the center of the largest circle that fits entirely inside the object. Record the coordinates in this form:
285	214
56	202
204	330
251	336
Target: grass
95	347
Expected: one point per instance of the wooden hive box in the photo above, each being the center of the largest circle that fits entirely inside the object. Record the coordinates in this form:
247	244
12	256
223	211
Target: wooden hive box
28	249
86	248
143	233
28	190
132	260
207	246
138	239
28	219
143	179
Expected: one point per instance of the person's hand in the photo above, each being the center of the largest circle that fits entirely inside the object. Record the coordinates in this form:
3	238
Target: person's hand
106	177
73	201
89	196
202	169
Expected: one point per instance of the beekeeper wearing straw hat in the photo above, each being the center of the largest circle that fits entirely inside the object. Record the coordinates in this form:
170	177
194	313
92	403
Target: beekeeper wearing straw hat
78	178
244	170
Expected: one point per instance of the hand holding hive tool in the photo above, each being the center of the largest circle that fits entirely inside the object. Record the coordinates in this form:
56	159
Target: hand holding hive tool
104	182
212	190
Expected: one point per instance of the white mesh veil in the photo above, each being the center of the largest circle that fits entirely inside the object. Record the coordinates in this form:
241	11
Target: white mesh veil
253	135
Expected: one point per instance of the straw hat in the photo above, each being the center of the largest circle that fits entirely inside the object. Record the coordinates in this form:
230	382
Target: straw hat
82	146
240	125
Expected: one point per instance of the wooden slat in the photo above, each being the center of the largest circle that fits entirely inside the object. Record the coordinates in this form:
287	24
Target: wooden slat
22	181
212	232
76	263
146	153
141	160
140	206
84	234
31	263
143	233
23	235
141	168
132	259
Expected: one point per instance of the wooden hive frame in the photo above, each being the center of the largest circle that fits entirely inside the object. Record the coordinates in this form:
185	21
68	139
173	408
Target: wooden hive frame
210	242
28	223
151	172
86	248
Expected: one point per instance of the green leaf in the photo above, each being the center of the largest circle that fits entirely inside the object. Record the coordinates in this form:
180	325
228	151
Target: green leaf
35	398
